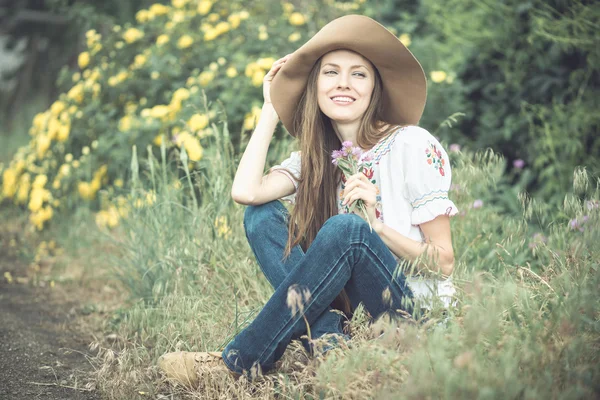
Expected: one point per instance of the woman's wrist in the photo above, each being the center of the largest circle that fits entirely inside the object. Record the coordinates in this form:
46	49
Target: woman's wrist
268	112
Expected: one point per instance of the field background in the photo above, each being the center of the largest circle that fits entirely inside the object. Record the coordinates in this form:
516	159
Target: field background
121	127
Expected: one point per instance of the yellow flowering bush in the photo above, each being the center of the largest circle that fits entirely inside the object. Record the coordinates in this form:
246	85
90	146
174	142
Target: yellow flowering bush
166	77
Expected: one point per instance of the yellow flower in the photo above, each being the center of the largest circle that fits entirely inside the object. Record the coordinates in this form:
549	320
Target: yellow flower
132	34
76	93
206	77
265	63
213	17
257	77
213	66
179	3
405	39
263	36
39	121
231	72
222	27
24	186
64	170
159	111
244	15
155	75
85	191
185	41
38	196
162	39
43	215
210	34
9	183
157	140
69	157
139	61
438	76
43	143
221	60
142	16
40	181
101	219
197	122
193	148
76	164
251	118
297	19
63	133
83	60
125	123
85	150
180	95
204	7
55	109
234	20
158	9
222	227
118	182
294	37
53	127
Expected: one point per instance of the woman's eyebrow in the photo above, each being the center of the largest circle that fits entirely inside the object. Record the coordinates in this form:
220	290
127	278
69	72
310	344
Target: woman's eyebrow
352	67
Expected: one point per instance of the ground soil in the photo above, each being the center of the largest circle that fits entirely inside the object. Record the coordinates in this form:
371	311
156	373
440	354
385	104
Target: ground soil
43	342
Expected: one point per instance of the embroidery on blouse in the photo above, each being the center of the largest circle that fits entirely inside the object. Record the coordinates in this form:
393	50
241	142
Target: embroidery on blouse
429	197
385	146
434	157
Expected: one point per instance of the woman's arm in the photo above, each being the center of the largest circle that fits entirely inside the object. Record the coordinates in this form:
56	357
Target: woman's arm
249	185
436	253
249	175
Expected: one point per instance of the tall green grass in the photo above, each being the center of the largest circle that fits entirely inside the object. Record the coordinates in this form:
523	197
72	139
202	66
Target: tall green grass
526	324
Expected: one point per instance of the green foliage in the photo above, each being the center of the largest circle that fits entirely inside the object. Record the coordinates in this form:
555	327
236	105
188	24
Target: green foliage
525	74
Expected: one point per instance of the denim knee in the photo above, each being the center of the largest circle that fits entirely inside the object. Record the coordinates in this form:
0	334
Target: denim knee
346	227
255	216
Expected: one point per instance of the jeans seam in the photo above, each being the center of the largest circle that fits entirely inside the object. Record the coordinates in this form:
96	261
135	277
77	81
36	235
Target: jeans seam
291	319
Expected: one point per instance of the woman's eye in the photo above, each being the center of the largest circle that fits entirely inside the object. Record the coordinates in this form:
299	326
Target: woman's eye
330	72
361	74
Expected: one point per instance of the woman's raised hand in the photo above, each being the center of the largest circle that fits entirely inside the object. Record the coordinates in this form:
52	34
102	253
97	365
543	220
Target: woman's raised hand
270	75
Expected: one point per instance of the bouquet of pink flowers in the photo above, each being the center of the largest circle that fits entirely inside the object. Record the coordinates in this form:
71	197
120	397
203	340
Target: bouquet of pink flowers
347	159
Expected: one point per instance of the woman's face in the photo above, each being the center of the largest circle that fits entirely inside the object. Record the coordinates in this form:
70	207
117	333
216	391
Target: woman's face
344	86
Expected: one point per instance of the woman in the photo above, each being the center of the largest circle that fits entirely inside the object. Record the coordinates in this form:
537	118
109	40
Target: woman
353	81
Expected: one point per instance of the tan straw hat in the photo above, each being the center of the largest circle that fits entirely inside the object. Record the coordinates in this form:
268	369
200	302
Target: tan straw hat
404	82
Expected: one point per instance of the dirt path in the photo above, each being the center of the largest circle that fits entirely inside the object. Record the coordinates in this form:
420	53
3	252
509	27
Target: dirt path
40	339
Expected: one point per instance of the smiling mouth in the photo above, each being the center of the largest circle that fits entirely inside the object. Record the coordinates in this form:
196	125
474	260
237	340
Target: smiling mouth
342	100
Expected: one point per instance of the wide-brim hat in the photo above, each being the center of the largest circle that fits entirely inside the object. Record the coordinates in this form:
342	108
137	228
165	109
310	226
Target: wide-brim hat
404	82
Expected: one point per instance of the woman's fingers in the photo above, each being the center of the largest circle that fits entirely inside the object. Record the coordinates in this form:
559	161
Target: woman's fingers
359	193
270	75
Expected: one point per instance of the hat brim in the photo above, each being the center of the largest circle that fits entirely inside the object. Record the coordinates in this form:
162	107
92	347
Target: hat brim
404	82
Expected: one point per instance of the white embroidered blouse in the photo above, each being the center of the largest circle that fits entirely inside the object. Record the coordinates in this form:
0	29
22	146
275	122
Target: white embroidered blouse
412	173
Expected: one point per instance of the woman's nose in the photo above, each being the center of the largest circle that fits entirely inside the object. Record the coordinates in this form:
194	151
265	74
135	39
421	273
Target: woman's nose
342	81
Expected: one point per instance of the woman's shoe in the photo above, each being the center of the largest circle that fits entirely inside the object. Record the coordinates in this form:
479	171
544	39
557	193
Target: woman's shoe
187	368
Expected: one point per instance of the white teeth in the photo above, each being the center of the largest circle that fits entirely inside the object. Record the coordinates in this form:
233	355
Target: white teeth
343	99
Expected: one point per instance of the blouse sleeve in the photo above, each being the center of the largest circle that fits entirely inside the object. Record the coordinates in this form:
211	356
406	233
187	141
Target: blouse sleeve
290	167
428	176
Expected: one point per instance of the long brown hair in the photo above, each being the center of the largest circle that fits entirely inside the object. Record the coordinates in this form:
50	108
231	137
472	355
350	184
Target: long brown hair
316	197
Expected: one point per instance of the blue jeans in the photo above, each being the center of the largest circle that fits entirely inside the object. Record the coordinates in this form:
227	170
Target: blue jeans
344	255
